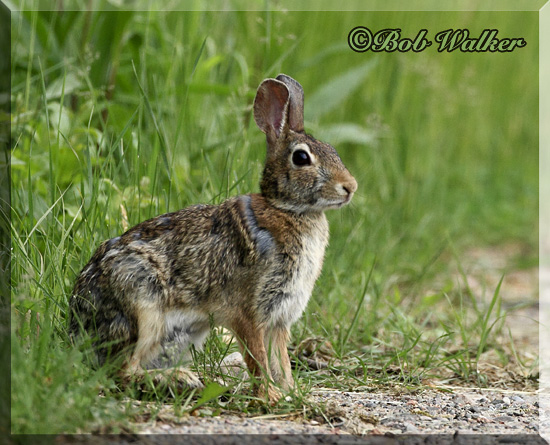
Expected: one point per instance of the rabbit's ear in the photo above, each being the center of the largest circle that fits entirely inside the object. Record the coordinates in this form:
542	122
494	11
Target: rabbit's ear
271	107
296	105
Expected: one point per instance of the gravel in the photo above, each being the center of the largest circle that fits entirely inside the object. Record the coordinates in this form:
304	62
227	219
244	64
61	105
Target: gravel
463	412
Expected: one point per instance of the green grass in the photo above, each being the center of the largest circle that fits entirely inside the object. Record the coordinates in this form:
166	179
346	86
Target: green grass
120	116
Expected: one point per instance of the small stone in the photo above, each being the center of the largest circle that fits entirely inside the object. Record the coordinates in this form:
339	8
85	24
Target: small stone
497	401
506	400
410	428
234	365
504	419
517	399
367	417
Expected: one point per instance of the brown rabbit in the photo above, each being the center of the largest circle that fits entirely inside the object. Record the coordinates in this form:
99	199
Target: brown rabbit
248	264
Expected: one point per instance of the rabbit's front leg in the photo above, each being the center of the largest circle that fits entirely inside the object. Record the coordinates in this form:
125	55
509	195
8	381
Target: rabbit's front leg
251	340
279	361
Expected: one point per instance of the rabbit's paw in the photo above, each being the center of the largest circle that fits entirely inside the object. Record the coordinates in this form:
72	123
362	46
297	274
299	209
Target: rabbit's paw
271	396
180	378
186	378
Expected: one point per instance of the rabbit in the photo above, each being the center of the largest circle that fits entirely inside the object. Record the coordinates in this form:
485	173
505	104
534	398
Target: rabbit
248	264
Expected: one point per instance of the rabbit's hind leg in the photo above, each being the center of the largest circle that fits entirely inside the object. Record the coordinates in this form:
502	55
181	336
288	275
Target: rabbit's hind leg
150	324
182	328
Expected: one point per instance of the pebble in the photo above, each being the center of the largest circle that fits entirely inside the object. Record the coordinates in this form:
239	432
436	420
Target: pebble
504	418
410	428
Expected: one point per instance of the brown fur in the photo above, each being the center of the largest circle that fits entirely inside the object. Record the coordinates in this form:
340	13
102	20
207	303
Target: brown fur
248	264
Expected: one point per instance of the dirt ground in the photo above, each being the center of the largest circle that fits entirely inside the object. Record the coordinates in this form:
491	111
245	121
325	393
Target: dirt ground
508	407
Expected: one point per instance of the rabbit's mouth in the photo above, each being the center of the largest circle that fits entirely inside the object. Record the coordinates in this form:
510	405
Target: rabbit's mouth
334	203
343	203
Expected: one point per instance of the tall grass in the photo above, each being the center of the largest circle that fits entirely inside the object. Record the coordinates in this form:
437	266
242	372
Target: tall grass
121	115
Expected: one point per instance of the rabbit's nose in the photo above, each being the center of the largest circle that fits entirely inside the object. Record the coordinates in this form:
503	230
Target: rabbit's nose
350	186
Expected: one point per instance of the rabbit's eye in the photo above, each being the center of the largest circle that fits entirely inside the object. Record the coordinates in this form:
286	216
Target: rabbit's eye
300	158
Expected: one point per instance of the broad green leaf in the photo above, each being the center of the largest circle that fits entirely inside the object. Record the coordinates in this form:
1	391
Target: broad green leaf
211	391
346	132
55	88
336	90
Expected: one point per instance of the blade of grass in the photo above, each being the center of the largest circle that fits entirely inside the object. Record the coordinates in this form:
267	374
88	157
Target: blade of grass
42	218
358	309
485	329
160	133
